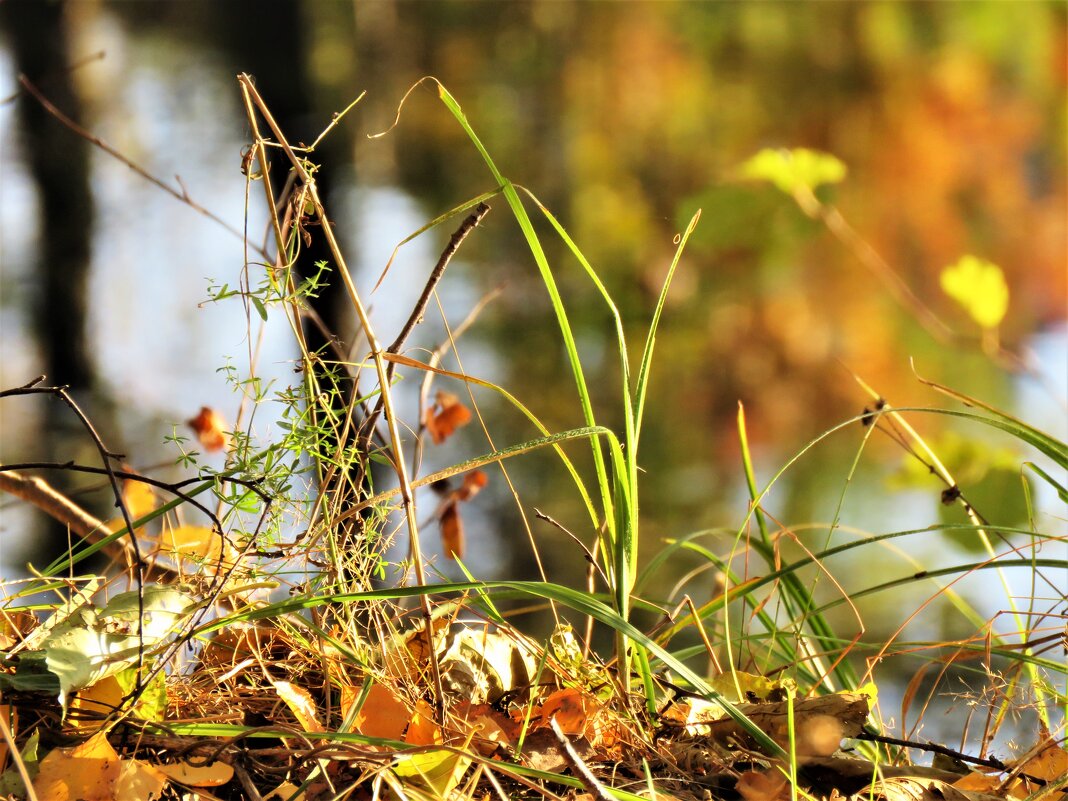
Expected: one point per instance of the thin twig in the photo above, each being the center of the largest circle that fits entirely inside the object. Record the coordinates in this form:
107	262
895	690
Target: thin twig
590	782
466	227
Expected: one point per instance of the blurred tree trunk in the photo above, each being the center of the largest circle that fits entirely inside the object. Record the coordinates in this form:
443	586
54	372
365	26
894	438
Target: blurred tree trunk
59	164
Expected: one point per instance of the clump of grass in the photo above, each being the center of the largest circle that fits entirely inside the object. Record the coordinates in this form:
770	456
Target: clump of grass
371	693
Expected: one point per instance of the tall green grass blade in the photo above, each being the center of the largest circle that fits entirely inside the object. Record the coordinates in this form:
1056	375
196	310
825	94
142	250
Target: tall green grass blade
1045	443
650	340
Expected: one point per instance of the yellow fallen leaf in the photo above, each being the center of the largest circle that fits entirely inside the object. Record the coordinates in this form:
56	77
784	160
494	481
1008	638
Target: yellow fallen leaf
300	703
438	771
86	772
93	704
139	781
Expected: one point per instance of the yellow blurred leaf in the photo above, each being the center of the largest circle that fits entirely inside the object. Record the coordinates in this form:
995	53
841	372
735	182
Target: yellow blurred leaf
139	781
979	286
139	499
200	544
791	170
5	713
213	775
438	771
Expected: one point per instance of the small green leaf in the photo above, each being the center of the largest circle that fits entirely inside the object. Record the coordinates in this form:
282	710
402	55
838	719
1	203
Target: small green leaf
791	170
979	286
260	309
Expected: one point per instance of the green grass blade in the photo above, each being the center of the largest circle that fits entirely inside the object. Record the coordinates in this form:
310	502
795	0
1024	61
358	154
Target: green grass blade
650	340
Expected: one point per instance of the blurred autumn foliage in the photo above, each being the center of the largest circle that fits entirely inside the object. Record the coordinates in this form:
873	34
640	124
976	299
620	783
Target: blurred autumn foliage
624	118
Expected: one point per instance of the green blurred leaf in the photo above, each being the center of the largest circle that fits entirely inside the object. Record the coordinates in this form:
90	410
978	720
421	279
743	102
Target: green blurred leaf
979	286
795	169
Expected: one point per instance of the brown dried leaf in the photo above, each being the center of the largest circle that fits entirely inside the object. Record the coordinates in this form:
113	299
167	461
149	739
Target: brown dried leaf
445	417
452	531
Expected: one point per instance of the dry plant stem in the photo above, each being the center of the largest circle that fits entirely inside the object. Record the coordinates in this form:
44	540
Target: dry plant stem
278	227
450	344
99	55
138	564
435	360
590	782
59	507
16	757
182	195
407	497
126	475
876	264
466	227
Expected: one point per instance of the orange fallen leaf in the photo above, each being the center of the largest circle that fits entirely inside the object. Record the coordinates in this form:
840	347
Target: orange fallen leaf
422	730
383	714
210	428
445	416
579	714
571	709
